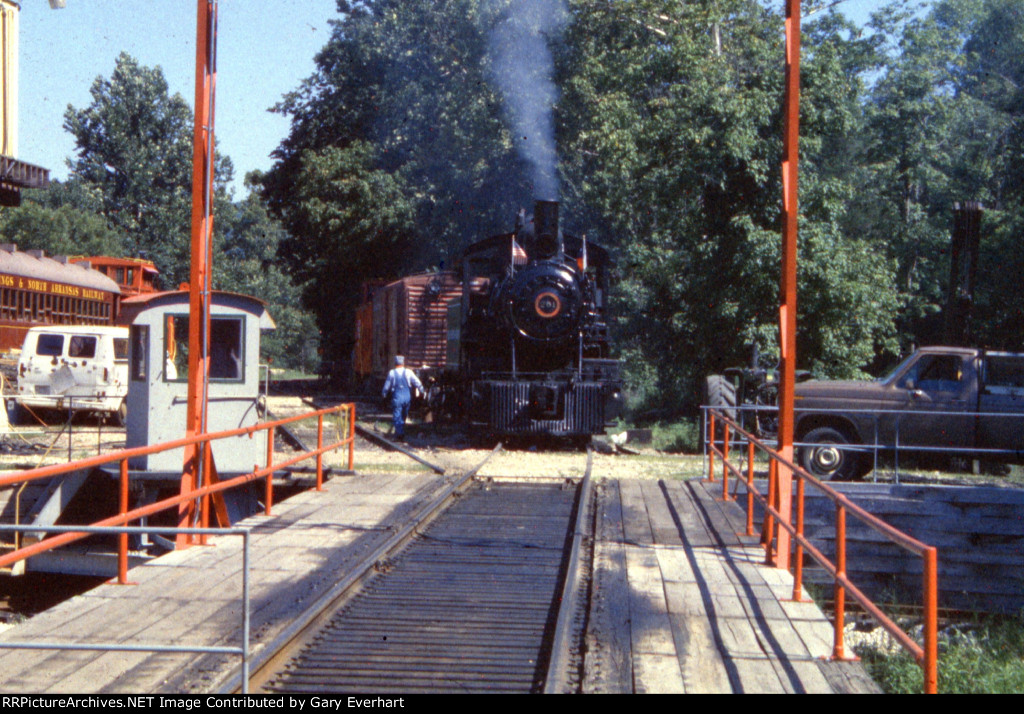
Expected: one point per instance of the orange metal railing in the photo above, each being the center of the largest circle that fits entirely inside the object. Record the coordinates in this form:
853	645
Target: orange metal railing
201	494
926	655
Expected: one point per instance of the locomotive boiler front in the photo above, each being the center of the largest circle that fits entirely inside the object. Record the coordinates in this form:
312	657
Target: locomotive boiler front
543	302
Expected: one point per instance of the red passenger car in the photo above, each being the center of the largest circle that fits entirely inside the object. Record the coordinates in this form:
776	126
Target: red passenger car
37	290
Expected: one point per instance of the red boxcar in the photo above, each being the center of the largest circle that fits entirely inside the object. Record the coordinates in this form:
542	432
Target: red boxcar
407	317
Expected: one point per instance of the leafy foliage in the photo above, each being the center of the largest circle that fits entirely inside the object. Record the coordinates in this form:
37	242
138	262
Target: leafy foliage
985	657
667	120
398	156
130	194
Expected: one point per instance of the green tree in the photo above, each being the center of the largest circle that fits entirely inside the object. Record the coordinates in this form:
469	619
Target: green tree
63	219
246	244
676	145
943	126
398	156
134	146
130	194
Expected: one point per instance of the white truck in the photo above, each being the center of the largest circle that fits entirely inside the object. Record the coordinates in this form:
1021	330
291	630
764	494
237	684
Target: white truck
77	368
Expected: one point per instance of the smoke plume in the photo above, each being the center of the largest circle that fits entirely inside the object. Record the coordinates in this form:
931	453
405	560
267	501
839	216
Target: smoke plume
522	70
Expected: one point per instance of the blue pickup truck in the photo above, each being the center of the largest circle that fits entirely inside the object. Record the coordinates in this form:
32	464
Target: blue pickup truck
948	399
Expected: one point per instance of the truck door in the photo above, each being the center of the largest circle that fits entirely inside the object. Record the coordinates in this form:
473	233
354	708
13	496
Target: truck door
81	367
1001	403
938	396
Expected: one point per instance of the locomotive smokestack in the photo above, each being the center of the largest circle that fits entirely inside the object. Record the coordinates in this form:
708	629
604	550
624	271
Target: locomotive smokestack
545	226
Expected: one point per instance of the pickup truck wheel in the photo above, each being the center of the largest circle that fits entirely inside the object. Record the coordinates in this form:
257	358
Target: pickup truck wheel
826	459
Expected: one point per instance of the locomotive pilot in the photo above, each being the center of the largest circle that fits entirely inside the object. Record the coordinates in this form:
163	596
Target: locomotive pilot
400	385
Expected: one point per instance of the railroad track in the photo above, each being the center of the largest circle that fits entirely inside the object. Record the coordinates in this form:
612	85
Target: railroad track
480	598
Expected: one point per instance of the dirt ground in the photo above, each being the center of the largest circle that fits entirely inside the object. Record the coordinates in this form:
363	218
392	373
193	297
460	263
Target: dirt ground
24	447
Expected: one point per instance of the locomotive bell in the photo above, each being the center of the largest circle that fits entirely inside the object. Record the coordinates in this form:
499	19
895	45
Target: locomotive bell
547	240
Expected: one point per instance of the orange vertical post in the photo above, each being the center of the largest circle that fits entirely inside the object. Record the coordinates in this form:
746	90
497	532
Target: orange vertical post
319	453
122	539
711	445
351	436
838	648
787	287
269	496
931	617
201	242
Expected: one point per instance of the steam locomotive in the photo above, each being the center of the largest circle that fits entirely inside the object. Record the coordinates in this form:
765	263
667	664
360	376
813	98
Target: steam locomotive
525	348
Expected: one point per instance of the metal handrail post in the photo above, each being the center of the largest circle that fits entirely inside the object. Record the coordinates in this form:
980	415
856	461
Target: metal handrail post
838	651
246	612
204	512
269	496
725	463
931	618
874	470
896	452
750	486
768	527
122	544
711	446
351	436
319	453
798	558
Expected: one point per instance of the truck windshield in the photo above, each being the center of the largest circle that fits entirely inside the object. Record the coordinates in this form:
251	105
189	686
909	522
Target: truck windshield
892	371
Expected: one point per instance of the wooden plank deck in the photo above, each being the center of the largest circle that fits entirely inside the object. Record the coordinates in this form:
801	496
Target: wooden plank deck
192	597
683	604
680	604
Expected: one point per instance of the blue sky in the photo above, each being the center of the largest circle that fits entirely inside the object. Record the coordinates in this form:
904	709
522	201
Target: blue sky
265	49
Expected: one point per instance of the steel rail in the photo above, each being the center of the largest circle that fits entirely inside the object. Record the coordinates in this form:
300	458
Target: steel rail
317	614
558	667
925	655
474	603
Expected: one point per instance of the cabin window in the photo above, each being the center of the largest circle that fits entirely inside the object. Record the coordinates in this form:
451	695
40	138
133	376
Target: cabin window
226	354
226	349
1004	373
139	355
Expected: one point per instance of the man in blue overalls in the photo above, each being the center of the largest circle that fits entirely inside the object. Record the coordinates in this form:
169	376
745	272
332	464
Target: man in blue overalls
400	385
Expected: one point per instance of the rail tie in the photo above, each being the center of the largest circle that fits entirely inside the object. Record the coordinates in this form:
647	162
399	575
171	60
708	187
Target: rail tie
473	603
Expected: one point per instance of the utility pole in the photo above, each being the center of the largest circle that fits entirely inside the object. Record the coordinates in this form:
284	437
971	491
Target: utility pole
787	288
202	249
